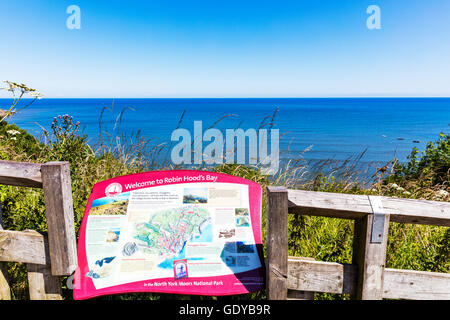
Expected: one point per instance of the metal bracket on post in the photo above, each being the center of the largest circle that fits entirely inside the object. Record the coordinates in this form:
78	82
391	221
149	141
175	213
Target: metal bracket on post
378	219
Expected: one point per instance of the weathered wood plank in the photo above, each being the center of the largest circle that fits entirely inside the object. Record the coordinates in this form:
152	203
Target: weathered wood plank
60	217
416	285
341	278
336	205
300	295
327	204
293	294
319	276
5	290
370	258
42	285
23	246
417	211
20	174
277	243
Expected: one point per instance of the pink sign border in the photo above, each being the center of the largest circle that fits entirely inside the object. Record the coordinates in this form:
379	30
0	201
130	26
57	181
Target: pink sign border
84	287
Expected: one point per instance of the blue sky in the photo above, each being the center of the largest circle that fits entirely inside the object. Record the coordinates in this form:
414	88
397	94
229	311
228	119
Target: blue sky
227	48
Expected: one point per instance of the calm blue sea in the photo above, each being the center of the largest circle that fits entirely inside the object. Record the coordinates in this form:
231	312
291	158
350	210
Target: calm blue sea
334	128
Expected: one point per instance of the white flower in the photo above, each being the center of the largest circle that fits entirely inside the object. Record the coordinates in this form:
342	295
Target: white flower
442	193
13	132
35	94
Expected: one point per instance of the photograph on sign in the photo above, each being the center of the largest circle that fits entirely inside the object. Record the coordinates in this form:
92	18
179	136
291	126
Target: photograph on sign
187	232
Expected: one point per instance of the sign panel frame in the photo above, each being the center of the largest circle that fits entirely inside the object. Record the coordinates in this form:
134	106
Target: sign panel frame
142	189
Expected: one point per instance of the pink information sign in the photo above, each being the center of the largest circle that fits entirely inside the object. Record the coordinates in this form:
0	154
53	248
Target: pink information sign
183	231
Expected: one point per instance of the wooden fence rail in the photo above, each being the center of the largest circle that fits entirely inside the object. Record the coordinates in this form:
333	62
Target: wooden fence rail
366	277
48	256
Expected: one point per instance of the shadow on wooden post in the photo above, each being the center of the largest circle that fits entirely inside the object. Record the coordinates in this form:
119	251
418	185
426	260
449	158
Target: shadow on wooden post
60	221
277	243
5	290
370	255
42	284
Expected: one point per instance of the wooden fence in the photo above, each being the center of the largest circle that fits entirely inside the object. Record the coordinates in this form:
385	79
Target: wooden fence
53	255
367	277
48	256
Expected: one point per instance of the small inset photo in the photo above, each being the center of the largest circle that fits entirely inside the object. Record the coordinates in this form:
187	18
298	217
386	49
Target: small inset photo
110	206
113	235
227	233
180	269
242	217
195	195
241	247
230	261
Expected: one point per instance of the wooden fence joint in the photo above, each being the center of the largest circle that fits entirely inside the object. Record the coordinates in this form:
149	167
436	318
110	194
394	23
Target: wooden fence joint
379	217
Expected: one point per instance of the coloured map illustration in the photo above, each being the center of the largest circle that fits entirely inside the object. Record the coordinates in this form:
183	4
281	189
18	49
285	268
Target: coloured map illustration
167	231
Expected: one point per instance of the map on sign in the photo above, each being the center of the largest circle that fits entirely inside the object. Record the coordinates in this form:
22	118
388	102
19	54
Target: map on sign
167	232
189	232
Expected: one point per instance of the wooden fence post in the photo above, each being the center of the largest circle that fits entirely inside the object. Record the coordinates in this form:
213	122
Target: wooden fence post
299	294
42	285
277	243
60	217
370	255
5	290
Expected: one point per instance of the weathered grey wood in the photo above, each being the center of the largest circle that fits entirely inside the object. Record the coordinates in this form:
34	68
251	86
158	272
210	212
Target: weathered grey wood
20	174
333	205
277	243
5	290
367	278
305	274
300	295
347	206
416	285
60	217
293	294
427	212
42	285
339	278
23	246
370	259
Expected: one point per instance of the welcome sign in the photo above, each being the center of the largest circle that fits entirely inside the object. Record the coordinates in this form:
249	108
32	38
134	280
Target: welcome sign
184	231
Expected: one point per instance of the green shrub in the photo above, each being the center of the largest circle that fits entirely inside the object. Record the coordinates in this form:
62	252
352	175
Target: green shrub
431	165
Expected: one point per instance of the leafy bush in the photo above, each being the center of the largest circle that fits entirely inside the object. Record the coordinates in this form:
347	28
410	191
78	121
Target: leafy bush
431	165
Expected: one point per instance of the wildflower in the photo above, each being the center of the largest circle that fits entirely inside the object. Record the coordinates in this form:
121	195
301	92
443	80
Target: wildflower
35	94
442	194
13	132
